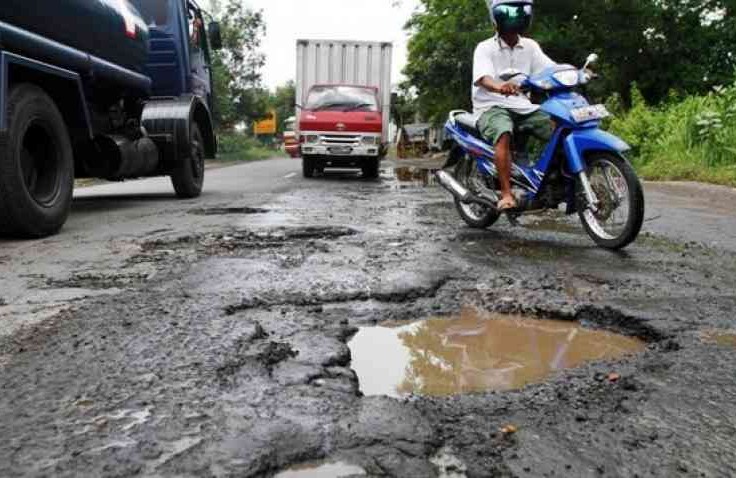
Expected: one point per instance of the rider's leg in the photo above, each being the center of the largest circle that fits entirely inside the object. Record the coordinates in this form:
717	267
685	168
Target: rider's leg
497	126
503	165
539	124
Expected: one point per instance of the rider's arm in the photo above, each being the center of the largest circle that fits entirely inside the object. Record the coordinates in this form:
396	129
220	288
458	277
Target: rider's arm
484	73
497	86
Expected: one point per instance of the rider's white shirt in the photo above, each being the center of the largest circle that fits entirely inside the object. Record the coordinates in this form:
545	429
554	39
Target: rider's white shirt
494	56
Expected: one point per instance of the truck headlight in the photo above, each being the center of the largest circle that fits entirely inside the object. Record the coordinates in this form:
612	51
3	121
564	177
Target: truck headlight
311	139
371	140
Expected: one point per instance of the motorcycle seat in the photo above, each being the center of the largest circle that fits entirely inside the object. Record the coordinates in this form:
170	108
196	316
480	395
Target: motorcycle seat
468	123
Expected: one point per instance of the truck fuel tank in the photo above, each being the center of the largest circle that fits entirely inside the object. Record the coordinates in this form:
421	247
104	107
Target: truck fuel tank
112	30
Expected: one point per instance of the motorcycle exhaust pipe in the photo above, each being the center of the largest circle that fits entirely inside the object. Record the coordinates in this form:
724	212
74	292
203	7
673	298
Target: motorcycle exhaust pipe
453	186
459	191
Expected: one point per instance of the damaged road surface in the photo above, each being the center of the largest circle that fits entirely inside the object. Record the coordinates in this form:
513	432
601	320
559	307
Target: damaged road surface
213	338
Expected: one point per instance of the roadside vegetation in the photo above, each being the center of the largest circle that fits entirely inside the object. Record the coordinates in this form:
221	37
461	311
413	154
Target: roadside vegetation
241	98
237	147
690	138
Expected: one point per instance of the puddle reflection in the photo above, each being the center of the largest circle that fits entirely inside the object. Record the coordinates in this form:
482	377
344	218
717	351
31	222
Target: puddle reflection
475	352
415	177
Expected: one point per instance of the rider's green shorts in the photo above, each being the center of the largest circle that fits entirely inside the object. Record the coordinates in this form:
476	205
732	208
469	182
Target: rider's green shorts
497	121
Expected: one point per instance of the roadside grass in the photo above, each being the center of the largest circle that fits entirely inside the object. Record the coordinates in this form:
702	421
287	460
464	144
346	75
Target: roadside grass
691	138
236	147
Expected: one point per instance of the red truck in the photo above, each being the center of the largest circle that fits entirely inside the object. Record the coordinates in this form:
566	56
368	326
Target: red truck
343	97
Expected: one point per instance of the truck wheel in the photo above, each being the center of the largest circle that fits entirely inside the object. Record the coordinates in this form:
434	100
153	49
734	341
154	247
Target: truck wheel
308	167
36	166
371	168
188	177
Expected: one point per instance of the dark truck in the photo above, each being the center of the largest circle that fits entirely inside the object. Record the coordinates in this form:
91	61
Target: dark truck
110	89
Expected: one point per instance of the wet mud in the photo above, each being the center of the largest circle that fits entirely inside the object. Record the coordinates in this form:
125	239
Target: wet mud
225	349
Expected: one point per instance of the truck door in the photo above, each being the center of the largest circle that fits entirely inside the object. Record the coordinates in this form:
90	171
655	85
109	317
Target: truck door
200	76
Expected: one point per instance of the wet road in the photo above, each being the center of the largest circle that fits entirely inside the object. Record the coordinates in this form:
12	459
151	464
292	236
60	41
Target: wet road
210	338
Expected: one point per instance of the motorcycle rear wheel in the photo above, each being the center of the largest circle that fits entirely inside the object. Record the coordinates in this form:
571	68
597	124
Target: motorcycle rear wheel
620	215
476	216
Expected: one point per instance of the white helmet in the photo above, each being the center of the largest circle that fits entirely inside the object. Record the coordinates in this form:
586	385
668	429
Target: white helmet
511	16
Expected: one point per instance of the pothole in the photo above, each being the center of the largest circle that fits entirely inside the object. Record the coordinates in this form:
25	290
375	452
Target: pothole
224	211
227	243
475	352
322	470
723	338
413	177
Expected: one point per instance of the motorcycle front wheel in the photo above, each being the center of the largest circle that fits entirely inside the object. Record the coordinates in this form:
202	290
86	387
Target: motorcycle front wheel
619	216
476	216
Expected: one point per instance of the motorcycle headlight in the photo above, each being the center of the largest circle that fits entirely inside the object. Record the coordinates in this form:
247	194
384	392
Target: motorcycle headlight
567	77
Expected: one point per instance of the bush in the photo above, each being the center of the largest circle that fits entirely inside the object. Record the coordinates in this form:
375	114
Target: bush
233	146
691	138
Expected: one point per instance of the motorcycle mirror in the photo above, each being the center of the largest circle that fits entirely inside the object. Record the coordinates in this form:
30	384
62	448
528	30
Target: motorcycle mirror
592	59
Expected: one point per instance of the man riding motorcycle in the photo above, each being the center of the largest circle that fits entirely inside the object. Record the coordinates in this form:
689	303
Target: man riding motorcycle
499	106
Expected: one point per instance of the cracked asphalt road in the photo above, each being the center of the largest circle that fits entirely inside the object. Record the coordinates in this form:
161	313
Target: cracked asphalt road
155	337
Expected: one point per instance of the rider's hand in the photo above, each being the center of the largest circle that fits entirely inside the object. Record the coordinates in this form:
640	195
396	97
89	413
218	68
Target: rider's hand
509	89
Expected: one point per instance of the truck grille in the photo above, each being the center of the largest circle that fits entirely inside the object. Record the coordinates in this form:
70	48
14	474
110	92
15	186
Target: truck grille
341	140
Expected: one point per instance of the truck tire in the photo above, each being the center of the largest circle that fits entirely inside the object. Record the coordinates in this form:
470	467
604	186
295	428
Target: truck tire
371	168
188	177
36	166
308	167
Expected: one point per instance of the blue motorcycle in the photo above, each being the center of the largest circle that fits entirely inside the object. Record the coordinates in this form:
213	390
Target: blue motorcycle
582	165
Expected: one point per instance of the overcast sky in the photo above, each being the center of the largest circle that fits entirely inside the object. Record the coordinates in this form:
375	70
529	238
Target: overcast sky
289	20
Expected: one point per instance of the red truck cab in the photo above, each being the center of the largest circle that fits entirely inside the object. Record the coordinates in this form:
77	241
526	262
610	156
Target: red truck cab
341	126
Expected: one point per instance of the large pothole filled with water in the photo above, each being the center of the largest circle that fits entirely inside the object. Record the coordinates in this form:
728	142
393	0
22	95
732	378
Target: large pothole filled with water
476	352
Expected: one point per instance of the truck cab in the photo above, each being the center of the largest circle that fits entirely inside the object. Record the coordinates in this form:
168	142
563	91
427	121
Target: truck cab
179	50
341	126
111	89
343	93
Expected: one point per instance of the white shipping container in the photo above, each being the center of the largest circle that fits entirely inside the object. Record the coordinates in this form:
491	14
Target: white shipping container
343	62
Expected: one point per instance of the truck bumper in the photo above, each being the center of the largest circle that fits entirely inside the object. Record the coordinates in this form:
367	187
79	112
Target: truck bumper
362	151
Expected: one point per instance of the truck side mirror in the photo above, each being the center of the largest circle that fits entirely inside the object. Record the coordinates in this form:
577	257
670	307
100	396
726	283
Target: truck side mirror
215	35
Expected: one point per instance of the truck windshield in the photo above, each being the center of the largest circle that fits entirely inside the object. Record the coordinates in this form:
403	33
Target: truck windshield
341	98
154	12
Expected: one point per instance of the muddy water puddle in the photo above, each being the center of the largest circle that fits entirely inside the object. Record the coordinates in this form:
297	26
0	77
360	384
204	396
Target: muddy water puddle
475	352
322	470
723	338
414	178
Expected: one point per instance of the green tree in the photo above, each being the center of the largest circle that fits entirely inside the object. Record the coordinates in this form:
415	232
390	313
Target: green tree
678	45
240	98
282	101
404	106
